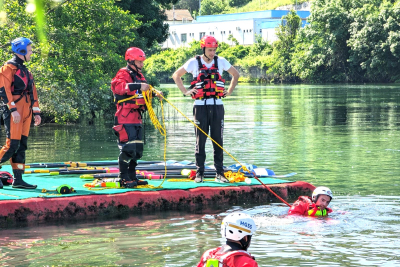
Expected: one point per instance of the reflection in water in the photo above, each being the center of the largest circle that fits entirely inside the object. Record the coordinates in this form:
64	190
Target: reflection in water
343	137
361	231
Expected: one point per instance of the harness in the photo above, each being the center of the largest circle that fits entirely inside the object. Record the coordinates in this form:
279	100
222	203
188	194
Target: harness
23	86
212	258
209	82
135	101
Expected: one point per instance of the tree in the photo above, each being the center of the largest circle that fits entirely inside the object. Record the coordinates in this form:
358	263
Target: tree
211	7
375	42
191	5
85	40
152	29
284	46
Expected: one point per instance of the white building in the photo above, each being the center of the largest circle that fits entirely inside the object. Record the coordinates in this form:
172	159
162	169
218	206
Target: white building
242	26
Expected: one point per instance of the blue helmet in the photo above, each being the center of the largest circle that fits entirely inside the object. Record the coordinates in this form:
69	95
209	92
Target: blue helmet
19	45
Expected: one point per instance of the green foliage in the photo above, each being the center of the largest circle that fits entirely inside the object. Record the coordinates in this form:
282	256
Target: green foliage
238	3
85	40
375	41
284	46
151	16
191	5
349	41
210	7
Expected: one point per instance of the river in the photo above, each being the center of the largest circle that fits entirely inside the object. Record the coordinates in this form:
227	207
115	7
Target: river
345	137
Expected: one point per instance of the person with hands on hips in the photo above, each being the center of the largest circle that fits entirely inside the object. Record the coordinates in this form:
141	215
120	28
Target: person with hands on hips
208	89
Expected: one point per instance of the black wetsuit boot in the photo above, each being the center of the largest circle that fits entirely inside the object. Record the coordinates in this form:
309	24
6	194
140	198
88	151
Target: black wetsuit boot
132	173
19	183
124	175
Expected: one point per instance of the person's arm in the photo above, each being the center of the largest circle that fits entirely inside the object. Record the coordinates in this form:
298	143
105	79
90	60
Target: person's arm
121	86
235	77
6	78
177	78
35	108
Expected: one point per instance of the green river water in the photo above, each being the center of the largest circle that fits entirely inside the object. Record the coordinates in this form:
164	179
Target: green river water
345	137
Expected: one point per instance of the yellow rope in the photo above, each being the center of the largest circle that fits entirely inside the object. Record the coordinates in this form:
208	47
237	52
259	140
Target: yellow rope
243	167
161	128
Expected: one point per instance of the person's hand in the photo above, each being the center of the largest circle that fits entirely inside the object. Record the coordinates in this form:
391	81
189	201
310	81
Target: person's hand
38	120
144	87
160	95
227	93
191	92
16	116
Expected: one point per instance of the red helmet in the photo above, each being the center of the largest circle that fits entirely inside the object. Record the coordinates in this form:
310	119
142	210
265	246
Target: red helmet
208	41
134	53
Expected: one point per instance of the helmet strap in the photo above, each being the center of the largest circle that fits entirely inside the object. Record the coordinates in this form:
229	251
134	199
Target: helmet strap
204	53
132	62
245	243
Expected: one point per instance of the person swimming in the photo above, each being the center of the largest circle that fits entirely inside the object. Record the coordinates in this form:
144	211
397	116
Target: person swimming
314	206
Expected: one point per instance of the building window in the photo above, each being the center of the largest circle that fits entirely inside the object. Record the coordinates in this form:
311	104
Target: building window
183	38
202	35
229	32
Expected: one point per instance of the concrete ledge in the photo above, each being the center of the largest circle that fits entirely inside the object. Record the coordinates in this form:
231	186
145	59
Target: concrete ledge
107	206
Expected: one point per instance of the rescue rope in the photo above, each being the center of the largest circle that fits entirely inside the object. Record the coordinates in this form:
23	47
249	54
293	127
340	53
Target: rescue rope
161	128
243	167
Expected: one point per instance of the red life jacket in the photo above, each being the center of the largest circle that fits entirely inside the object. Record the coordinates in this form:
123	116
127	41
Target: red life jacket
305	206
209	82
133	103
223	258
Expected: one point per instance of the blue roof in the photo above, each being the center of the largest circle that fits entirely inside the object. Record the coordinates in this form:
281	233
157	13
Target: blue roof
250	15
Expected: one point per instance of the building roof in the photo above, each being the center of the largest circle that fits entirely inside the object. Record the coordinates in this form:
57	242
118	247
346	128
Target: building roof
277	14
180	14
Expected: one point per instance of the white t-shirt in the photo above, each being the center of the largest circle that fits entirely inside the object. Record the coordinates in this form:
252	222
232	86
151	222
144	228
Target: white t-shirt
192	66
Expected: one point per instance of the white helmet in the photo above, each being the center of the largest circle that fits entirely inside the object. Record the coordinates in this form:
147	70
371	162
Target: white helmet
321	190
237	225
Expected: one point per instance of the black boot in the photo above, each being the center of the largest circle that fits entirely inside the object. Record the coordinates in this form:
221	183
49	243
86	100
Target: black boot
132	173
126	180
19	183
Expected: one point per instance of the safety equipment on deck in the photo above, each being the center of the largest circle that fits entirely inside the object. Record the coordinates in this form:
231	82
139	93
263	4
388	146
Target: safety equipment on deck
321	190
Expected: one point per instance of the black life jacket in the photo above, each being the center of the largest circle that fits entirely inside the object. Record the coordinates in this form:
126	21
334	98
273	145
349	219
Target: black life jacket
22	83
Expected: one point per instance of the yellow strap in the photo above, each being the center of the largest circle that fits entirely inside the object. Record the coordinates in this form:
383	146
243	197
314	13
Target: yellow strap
129	98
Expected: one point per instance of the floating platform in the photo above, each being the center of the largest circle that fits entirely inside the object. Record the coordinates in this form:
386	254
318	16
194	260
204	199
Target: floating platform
32	205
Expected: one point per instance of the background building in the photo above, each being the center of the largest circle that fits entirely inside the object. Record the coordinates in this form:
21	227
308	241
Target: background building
242	26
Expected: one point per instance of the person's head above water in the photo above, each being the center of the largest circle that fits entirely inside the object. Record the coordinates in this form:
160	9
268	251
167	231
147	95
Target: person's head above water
322	196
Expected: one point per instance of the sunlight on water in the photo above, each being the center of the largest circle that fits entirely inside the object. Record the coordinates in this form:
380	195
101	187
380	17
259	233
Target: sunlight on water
361	231
343	136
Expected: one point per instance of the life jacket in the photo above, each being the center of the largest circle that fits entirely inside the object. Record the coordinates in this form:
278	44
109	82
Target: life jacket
304	206
209	82
132	101
212	257
315	211
22	83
